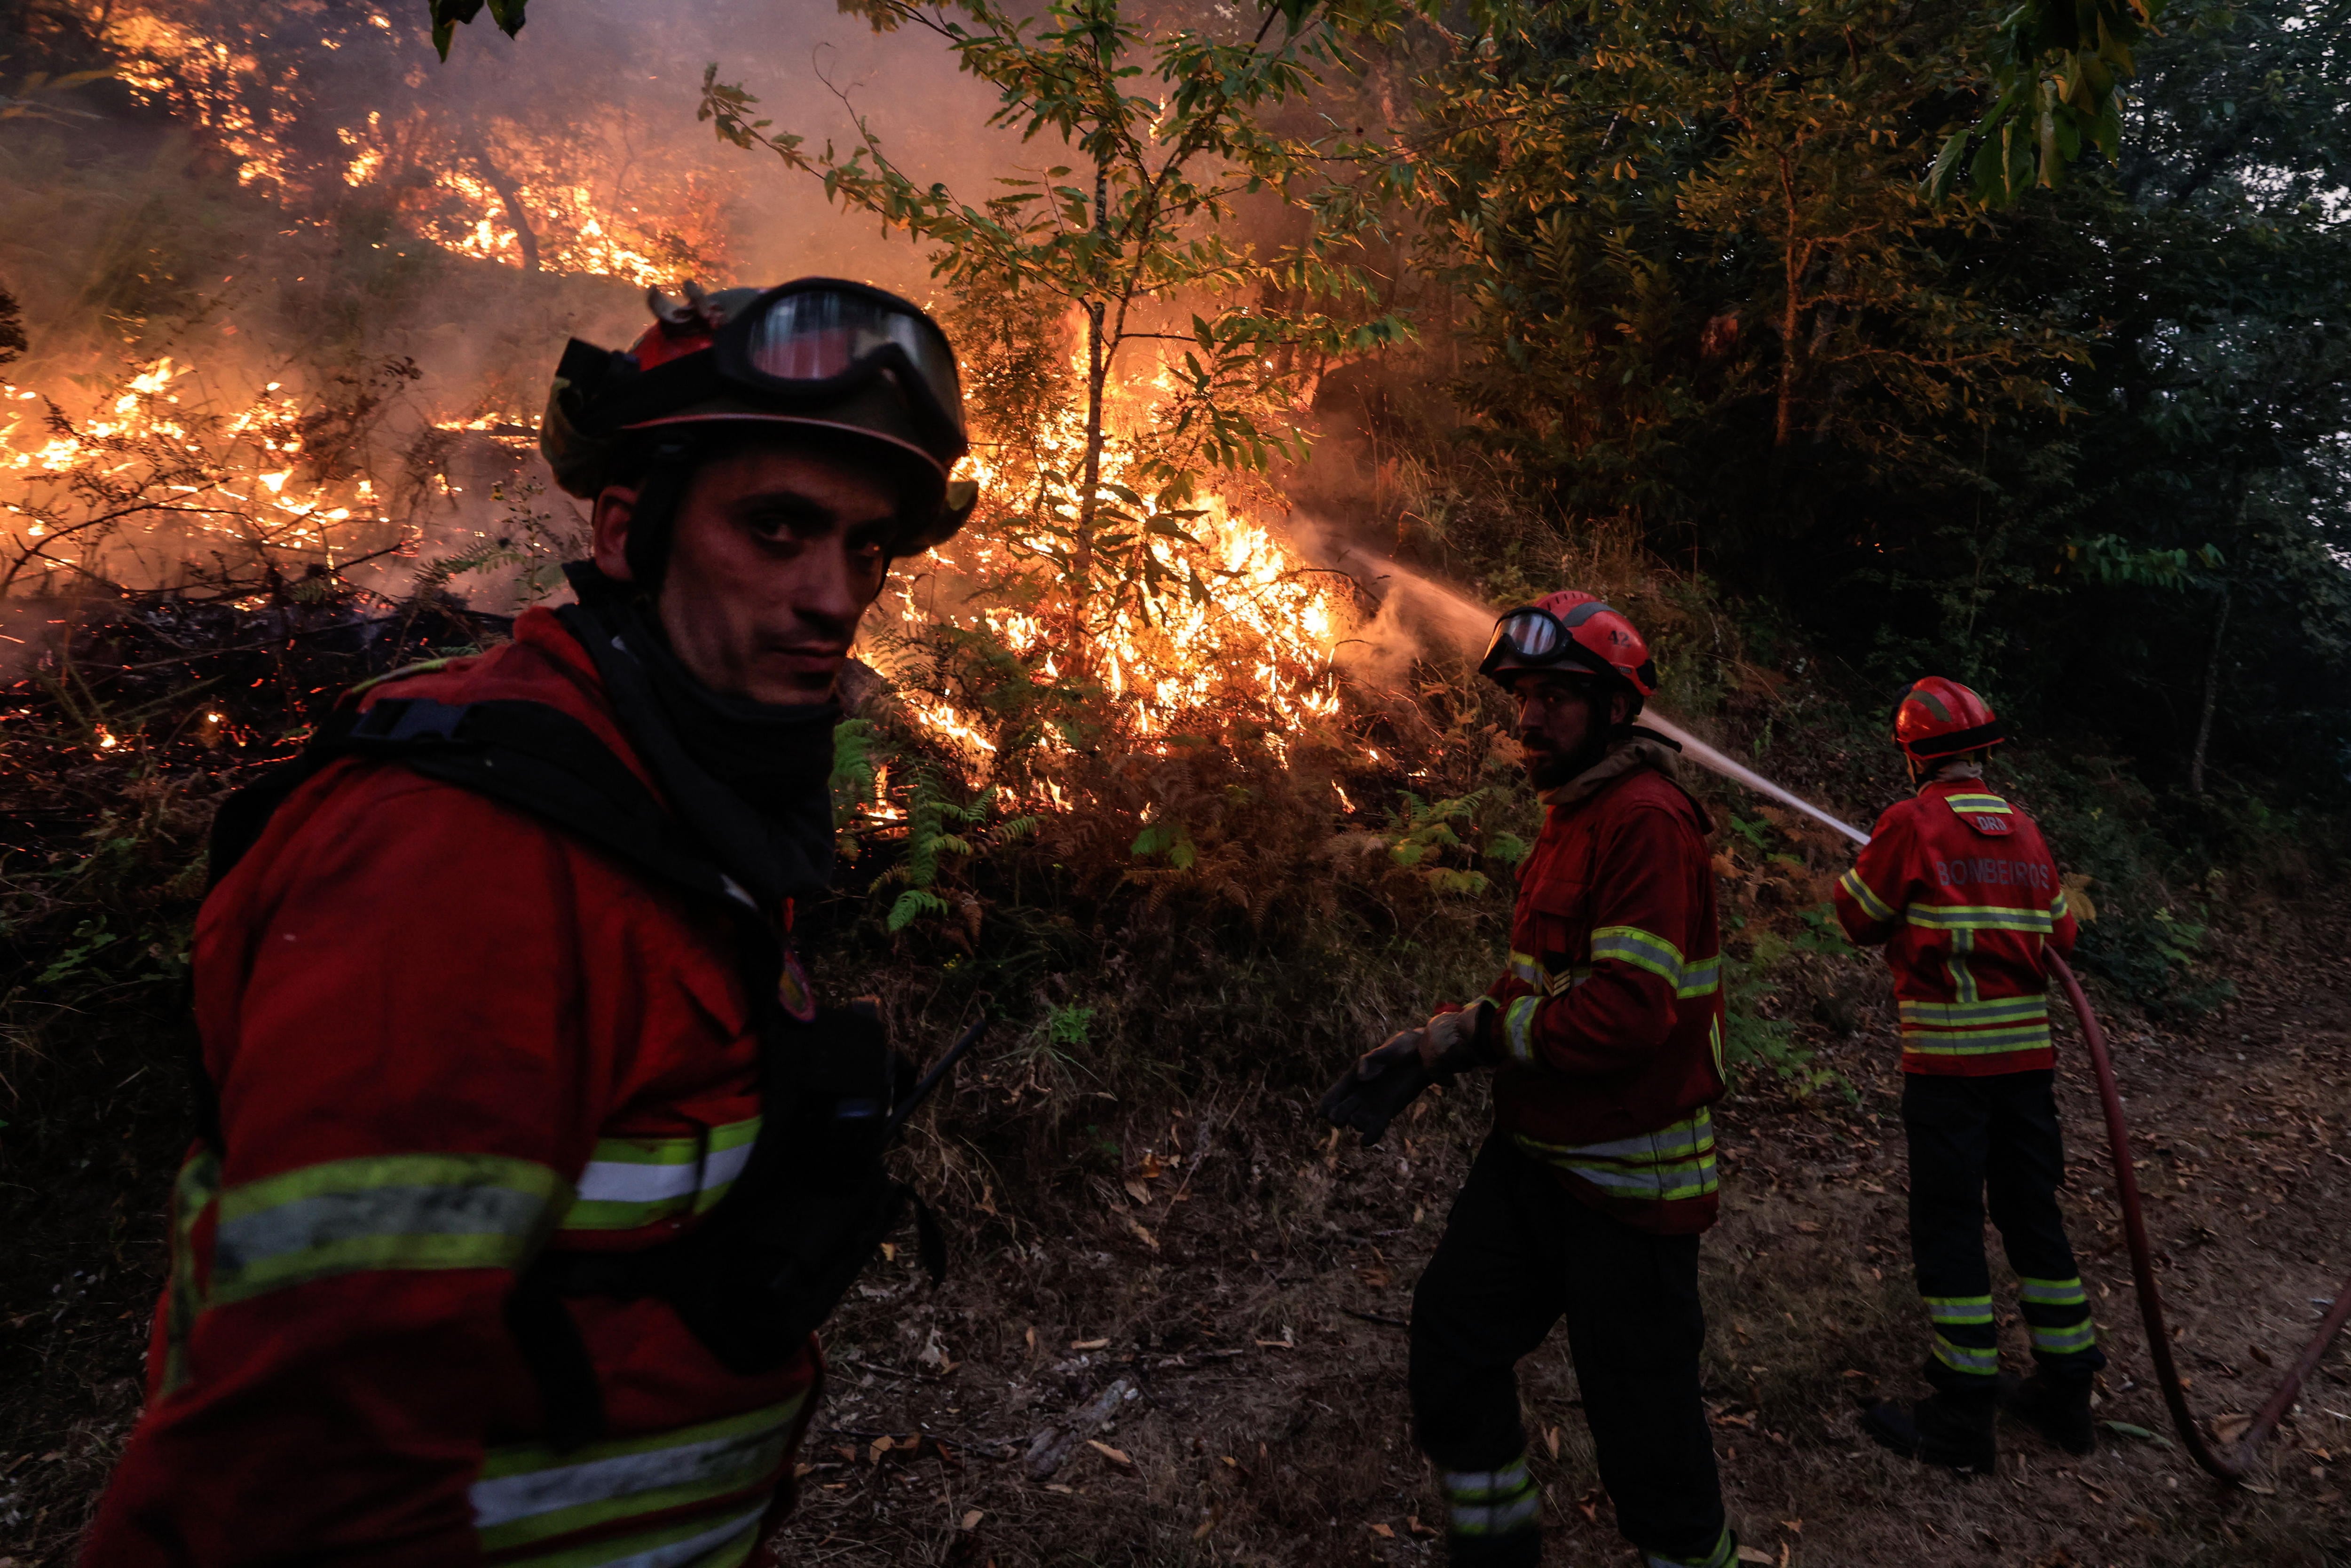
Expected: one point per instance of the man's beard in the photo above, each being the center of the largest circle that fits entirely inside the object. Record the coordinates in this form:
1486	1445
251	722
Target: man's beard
1548	769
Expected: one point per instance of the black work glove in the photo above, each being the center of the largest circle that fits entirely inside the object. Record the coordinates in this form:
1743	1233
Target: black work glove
1377	1086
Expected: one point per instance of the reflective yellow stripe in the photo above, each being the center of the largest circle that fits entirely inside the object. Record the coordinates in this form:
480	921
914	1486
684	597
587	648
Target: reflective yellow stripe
1977	917
2058	907
381	1211
2052	1292
1642	949
1871	905
1977	1014
631	1182
1958	1309
1524	967
530	1495
1976	1042
1979	805
1702	979
1674	1162
2071	1340
1518	1028
192	1194
1981	1361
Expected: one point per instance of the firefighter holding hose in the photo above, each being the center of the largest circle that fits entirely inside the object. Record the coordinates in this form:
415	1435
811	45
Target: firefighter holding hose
1960	887
528	1162
1605	1035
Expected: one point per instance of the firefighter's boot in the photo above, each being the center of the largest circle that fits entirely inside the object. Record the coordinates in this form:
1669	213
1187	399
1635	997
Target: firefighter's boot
2059	1409
1958	1429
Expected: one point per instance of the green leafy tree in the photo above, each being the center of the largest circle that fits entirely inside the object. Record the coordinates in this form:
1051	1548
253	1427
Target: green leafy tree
1165	135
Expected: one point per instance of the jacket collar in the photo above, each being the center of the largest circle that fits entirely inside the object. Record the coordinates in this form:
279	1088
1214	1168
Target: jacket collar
1631	752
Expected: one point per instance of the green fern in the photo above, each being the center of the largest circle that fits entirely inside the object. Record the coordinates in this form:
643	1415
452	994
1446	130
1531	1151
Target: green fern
938	826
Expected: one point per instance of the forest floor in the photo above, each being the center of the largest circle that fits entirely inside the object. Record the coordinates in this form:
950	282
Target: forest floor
1245	1277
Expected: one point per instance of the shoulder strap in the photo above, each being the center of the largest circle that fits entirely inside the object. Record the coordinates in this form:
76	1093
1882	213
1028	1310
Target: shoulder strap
527	755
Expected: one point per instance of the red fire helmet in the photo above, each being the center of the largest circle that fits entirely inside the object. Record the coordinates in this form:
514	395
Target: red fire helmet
846	363
1937	717
1573	630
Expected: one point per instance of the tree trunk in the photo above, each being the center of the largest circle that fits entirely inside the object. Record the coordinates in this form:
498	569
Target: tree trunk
2211	696
1793	265
512	196
1097	375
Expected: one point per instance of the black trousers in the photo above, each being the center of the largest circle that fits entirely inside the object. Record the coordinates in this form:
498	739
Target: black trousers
1992	1141
1518	1255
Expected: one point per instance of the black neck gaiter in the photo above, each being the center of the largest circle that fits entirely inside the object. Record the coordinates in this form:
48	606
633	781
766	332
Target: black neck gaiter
750	777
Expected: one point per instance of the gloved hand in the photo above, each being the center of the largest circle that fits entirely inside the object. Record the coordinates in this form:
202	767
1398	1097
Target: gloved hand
1378	1086
1448	1043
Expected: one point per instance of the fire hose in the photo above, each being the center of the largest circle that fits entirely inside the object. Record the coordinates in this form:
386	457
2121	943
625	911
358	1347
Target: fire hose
2236	1460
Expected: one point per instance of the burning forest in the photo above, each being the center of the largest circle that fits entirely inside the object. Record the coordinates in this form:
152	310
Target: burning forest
1295	344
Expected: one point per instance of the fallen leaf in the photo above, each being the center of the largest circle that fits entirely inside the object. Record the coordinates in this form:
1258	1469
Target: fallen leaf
1088	1343
2258	1489
1216	1512
1150	1166
1137	1191
1550	1441
1809	1228
1148	1239
1056	1486
1755	1554
1413	1525
1116	1456
2230	1428
971	1518
1383	1532
881	1446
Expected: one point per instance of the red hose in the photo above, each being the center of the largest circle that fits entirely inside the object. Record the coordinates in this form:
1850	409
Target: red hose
2238	1461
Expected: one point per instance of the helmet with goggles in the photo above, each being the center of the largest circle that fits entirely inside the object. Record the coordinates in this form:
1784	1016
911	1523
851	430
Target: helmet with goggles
846	363
1570	633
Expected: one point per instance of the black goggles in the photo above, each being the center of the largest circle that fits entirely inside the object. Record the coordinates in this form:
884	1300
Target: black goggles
814	343
1536	637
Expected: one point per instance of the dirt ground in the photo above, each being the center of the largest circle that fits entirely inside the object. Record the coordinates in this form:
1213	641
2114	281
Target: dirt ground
1230	1285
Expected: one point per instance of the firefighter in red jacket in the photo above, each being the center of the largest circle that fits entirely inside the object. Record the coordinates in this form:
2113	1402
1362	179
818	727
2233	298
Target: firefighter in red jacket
1960	887
451	1045
1586	1201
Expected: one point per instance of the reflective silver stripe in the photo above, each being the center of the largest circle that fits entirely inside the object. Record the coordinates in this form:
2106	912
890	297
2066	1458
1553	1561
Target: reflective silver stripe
1978	1042
2067	1341
508	1498
1671	1164
2052	1292
376	1212
1970	1015
1978	917
616	1181
1495	1519
1480	1485
1871	905
742	1528
1966	1358
1518	1028
1958	1309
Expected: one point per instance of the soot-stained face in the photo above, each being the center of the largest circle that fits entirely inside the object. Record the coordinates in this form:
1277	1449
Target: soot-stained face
1562	720
776	551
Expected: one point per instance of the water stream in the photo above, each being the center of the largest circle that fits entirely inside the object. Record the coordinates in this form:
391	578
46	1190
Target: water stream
1416	601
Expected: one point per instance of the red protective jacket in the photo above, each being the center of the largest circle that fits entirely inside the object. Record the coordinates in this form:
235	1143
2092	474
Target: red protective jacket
1959	886
1611	1013
445	1035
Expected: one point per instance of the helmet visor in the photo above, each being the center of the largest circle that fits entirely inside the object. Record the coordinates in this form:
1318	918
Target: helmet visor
1528	636
814	335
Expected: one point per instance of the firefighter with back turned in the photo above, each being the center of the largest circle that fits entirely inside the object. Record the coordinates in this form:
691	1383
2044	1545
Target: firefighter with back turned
1960	887
528	1162
1586	1200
